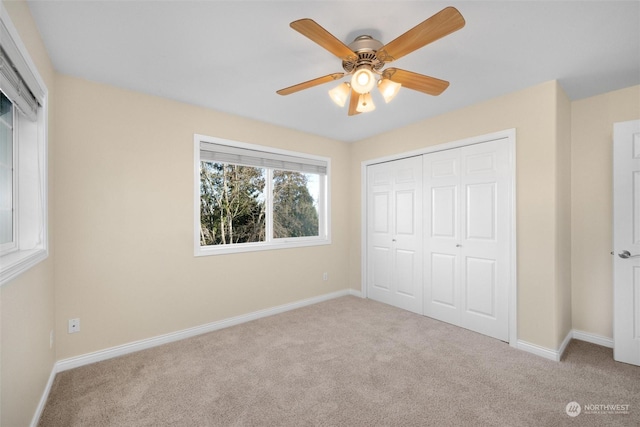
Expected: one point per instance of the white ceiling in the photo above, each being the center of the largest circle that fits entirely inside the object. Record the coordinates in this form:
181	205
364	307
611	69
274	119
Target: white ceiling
232	56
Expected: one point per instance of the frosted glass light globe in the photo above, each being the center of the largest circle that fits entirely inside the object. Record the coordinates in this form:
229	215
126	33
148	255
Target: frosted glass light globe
363	80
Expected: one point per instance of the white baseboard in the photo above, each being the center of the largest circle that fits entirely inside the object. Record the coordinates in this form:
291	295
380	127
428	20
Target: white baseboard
547	353
538	350
593	338
85	359
564	344
556	355
43	398
120	350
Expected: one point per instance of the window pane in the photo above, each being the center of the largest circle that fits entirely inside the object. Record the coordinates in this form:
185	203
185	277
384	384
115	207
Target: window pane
6	170
6	110
232	204
295	204
6	227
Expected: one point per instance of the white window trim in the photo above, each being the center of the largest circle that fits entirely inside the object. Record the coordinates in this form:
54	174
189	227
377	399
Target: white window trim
325	204
24	257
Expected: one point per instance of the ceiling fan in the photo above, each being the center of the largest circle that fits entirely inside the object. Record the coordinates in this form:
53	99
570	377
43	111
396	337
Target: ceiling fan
366	57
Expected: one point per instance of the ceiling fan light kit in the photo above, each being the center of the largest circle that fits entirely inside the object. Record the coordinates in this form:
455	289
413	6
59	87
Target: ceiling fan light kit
363	80
365	57
389	89
340	94
365	103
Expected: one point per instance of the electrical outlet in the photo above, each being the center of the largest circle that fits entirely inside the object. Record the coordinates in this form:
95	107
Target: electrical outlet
74	325
325	276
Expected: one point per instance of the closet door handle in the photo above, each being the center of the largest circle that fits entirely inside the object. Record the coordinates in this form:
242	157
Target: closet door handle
458	245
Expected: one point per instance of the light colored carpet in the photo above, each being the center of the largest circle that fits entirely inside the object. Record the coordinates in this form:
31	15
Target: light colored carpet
344	362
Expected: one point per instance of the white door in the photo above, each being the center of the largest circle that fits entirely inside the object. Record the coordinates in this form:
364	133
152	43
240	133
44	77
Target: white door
626	242
442	236
467	205
394	233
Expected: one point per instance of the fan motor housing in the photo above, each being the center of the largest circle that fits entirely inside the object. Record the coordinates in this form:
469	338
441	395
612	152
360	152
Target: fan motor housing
365	47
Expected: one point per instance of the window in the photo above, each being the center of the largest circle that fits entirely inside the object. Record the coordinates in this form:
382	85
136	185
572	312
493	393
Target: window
252	197
7	190
23	157
7	180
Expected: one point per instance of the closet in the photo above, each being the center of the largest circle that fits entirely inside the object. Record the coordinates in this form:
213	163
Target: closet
394	230
439	235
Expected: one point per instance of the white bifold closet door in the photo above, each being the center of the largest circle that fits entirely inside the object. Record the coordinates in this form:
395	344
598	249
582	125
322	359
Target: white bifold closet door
394	233
467	231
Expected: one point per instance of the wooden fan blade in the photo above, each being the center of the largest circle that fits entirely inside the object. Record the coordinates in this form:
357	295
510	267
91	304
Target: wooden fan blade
415	81
312	30
311	83
439	25
353	103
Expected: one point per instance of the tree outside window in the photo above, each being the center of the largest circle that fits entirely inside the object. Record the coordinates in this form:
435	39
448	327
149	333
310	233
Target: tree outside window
237	203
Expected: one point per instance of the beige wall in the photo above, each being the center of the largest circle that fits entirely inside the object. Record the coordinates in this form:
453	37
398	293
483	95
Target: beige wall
533	112
124	221
27	302
563	216
591	202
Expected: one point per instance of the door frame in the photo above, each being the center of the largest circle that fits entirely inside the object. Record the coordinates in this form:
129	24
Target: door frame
507	137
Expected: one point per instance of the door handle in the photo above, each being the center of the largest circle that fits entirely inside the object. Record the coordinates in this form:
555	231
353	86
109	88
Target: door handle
627	254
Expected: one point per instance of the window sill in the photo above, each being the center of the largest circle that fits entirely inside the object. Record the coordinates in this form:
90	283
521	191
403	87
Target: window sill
253	247
16	263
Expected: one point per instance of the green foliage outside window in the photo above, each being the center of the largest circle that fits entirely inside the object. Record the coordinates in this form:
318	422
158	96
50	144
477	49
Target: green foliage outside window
233	206
294	211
